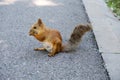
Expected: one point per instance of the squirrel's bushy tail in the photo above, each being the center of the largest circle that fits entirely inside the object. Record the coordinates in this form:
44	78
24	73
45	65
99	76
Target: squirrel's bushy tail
75	37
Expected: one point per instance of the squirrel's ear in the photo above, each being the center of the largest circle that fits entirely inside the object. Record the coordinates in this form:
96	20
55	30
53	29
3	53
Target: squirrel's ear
39	21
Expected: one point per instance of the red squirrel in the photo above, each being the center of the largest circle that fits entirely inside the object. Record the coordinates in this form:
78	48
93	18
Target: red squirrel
52	40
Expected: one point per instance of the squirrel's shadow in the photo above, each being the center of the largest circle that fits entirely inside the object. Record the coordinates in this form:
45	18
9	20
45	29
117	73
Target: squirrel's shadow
40	53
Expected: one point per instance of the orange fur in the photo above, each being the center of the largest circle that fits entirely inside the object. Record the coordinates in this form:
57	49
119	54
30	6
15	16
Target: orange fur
52	39
44	34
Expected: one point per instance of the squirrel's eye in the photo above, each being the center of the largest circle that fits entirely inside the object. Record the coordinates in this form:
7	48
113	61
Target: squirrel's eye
34	27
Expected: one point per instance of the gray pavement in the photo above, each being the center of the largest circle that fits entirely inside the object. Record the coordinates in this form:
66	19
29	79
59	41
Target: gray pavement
18	61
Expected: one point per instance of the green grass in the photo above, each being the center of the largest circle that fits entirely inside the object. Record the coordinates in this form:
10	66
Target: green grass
114	5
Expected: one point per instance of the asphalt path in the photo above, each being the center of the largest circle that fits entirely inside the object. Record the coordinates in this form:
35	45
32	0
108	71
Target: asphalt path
18	60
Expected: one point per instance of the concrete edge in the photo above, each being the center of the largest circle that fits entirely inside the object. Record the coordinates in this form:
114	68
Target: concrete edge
105	28
112	65
102	21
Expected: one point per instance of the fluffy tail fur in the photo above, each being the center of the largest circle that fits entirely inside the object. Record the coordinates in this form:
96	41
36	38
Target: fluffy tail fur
75	37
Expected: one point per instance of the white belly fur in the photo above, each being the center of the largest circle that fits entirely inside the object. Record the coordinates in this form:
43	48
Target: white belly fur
47	46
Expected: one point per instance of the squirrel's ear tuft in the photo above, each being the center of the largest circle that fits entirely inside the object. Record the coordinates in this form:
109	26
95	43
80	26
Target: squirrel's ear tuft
39	21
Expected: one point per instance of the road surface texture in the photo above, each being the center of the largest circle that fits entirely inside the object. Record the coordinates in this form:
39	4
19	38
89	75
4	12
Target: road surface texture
18	60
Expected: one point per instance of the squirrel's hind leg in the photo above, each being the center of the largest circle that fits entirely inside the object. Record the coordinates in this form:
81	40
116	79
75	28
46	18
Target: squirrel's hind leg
39	49
56	48
53	52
